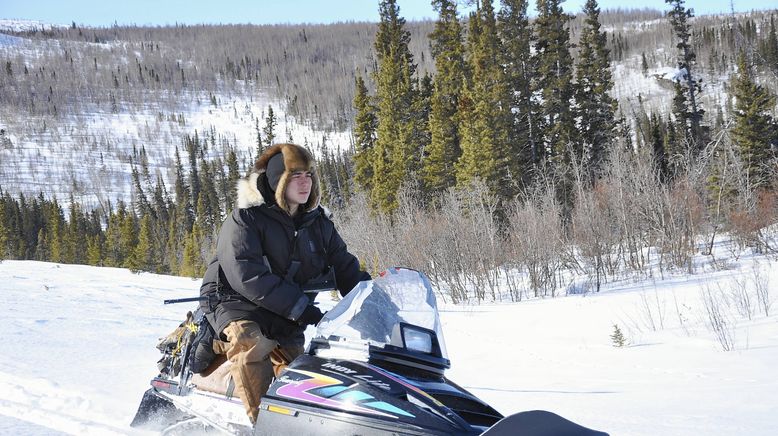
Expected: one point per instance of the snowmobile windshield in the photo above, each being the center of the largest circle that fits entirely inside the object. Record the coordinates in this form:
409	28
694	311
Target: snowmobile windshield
386	311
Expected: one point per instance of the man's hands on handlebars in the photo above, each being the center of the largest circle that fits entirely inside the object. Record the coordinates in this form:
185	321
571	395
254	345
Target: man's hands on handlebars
310	316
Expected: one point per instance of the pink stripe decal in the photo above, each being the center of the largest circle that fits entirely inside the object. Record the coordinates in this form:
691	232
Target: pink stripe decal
298	390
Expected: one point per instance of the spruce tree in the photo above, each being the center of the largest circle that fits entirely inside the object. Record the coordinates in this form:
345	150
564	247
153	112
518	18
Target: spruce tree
687	110
56	231
260	143
128	238
192	145
233	174
393	160
448	51
520	69
771	48
755	129
485	131
143	255
555	80
657	142
364	136
596	109
94	250
75	237
270	127
184	209
4	227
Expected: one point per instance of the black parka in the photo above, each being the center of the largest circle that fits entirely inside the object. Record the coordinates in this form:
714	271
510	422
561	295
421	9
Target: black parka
257	244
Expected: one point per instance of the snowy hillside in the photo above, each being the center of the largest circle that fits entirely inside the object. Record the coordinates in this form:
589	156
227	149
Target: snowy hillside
79	351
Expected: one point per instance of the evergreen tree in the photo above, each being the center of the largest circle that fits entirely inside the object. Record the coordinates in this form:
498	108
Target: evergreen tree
447	50
128	238
56	230
520	69
75	240
270	127
485	130
192	145
618	337
657	142
233	174
771	48
260	143
192	264
4	226
184	211
42	247
596	109
555	77
143	255
393	160
755	129
420	120
94	250
364	136
687	111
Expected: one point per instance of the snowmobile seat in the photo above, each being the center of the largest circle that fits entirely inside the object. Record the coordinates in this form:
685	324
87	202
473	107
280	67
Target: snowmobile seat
216	378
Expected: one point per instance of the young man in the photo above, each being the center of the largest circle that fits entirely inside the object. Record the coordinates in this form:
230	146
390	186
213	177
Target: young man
277	239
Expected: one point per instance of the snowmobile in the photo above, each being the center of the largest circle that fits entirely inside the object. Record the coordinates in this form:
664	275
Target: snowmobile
375	366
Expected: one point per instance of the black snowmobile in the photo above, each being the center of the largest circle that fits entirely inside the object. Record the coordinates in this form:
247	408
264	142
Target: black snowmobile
374	367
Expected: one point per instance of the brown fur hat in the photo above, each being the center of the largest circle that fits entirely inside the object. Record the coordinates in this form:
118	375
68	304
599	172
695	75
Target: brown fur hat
296	158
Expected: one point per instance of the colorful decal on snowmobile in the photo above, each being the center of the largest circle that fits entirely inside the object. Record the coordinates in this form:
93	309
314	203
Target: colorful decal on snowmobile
405	383
316	389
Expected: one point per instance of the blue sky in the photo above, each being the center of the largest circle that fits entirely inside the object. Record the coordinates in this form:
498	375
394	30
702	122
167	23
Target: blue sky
161	12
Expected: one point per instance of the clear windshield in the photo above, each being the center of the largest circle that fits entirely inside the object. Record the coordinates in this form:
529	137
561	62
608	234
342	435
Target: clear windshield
372	311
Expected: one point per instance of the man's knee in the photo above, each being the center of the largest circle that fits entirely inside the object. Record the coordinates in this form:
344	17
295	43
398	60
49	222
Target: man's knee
245	336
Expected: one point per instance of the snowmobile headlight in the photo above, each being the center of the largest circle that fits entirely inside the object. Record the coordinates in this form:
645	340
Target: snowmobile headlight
417	339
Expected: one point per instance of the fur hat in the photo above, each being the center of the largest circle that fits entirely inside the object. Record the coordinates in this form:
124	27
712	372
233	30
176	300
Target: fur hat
295	158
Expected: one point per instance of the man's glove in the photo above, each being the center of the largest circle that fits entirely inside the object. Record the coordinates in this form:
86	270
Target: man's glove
311	316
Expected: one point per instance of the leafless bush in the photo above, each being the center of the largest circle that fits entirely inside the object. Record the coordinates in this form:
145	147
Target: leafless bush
652	310
676	220
718	319
741	297
535	235
594	232
639	202
762	286
753	213
457	244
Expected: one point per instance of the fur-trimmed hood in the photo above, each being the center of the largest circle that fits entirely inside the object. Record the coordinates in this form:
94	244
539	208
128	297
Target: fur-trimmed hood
255	190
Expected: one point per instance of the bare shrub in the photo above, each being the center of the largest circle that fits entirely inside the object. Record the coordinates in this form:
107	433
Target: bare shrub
594	232
741	297
639	200
762	286
718	319
684	211
652	310
368	236
471	227
535	238
752	214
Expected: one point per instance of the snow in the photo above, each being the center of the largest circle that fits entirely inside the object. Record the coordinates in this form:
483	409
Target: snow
80	351
11	25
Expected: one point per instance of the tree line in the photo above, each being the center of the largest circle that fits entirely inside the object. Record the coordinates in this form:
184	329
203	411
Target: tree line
161	230
512	157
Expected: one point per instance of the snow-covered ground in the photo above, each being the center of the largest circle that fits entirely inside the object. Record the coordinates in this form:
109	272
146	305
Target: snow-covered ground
78	352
